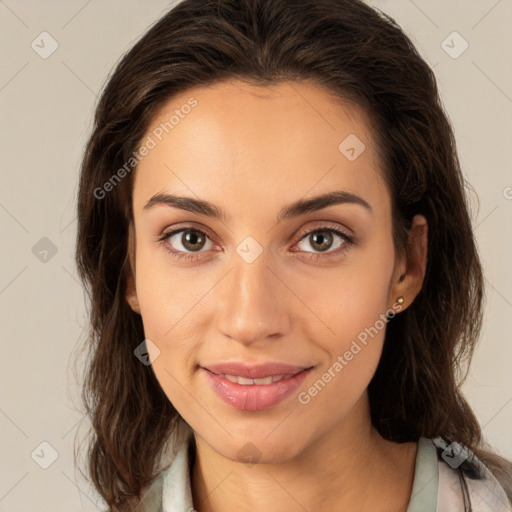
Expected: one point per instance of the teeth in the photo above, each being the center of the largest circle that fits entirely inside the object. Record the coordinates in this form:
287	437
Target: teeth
265	380
244	381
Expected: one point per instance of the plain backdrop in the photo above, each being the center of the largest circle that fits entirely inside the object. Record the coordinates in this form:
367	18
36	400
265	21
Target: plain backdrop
46	109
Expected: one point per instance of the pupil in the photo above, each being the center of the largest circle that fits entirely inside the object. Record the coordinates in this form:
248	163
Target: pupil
191	238
316	237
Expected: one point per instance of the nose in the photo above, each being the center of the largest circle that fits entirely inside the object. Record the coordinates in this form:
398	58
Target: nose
253	303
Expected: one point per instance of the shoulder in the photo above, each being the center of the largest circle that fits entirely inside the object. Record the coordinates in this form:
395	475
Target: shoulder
461	472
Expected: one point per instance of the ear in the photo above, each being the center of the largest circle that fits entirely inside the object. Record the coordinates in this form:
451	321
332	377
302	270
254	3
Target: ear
410	270
131	291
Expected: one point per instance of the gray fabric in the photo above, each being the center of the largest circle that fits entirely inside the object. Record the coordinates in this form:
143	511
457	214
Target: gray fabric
426	476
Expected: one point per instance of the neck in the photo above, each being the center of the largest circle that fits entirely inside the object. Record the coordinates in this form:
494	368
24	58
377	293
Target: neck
350	468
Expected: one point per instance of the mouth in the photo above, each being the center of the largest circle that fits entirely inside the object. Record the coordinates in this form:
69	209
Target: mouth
255	392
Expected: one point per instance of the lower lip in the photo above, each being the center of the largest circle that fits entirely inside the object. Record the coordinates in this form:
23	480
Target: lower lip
255	397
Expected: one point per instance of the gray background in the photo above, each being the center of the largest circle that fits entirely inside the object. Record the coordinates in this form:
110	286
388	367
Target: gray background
46	108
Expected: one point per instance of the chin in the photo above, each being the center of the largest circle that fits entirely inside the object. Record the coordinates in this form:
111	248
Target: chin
259	449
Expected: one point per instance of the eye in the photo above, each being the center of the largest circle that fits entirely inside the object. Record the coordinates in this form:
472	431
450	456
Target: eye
191	239
322	239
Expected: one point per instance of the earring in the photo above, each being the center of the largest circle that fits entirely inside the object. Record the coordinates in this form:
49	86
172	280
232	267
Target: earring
400	300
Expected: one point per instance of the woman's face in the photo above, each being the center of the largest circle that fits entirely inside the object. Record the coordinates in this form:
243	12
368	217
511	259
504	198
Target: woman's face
262	282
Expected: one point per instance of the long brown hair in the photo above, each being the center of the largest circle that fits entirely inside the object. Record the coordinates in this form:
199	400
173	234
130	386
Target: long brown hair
361	55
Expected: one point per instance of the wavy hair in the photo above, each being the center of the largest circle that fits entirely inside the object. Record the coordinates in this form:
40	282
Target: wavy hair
360	55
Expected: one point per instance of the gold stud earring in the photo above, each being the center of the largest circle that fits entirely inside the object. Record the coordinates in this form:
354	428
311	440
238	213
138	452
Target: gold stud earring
400	300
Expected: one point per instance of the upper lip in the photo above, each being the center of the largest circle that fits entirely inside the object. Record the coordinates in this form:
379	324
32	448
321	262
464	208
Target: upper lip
255	371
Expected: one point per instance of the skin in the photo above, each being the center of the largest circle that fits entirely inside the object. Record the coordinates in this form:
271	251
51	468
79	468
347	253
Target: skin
251	151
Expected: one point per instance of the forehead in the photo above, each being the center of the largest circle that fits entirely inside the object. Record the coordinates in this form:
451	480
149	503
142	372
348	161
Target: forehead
232	140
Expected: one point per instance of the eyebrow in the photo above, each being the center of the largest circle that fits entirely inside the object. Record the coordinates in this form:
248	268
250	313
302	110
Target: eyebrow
300	207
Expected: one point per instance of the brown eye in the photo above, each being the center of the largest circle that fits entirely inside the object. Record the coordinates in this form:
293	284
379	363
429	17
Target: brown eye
322	239
321	242
192	240
185	240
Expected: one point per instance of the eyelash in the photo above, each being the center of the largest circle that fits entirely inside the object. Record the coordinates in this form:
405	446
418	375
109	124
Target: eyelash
347	240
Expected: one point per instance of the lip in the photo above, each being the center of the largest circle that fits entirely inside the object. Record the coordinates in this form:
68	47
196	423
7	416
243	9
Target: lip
254	371
255	397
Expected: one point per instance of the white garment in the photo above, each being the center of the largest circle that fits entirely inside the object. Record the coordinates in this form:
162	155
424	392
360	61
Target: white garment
436	485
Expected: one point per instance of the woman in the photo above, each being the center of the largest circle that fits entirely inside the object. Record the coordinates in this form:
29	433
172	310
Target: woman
306	357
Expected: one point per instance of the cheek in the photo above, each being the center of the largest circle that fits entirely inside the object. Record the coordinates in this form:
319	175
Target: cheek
367	302
164	315
350	298
166	295
353	356
354	307
165	319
